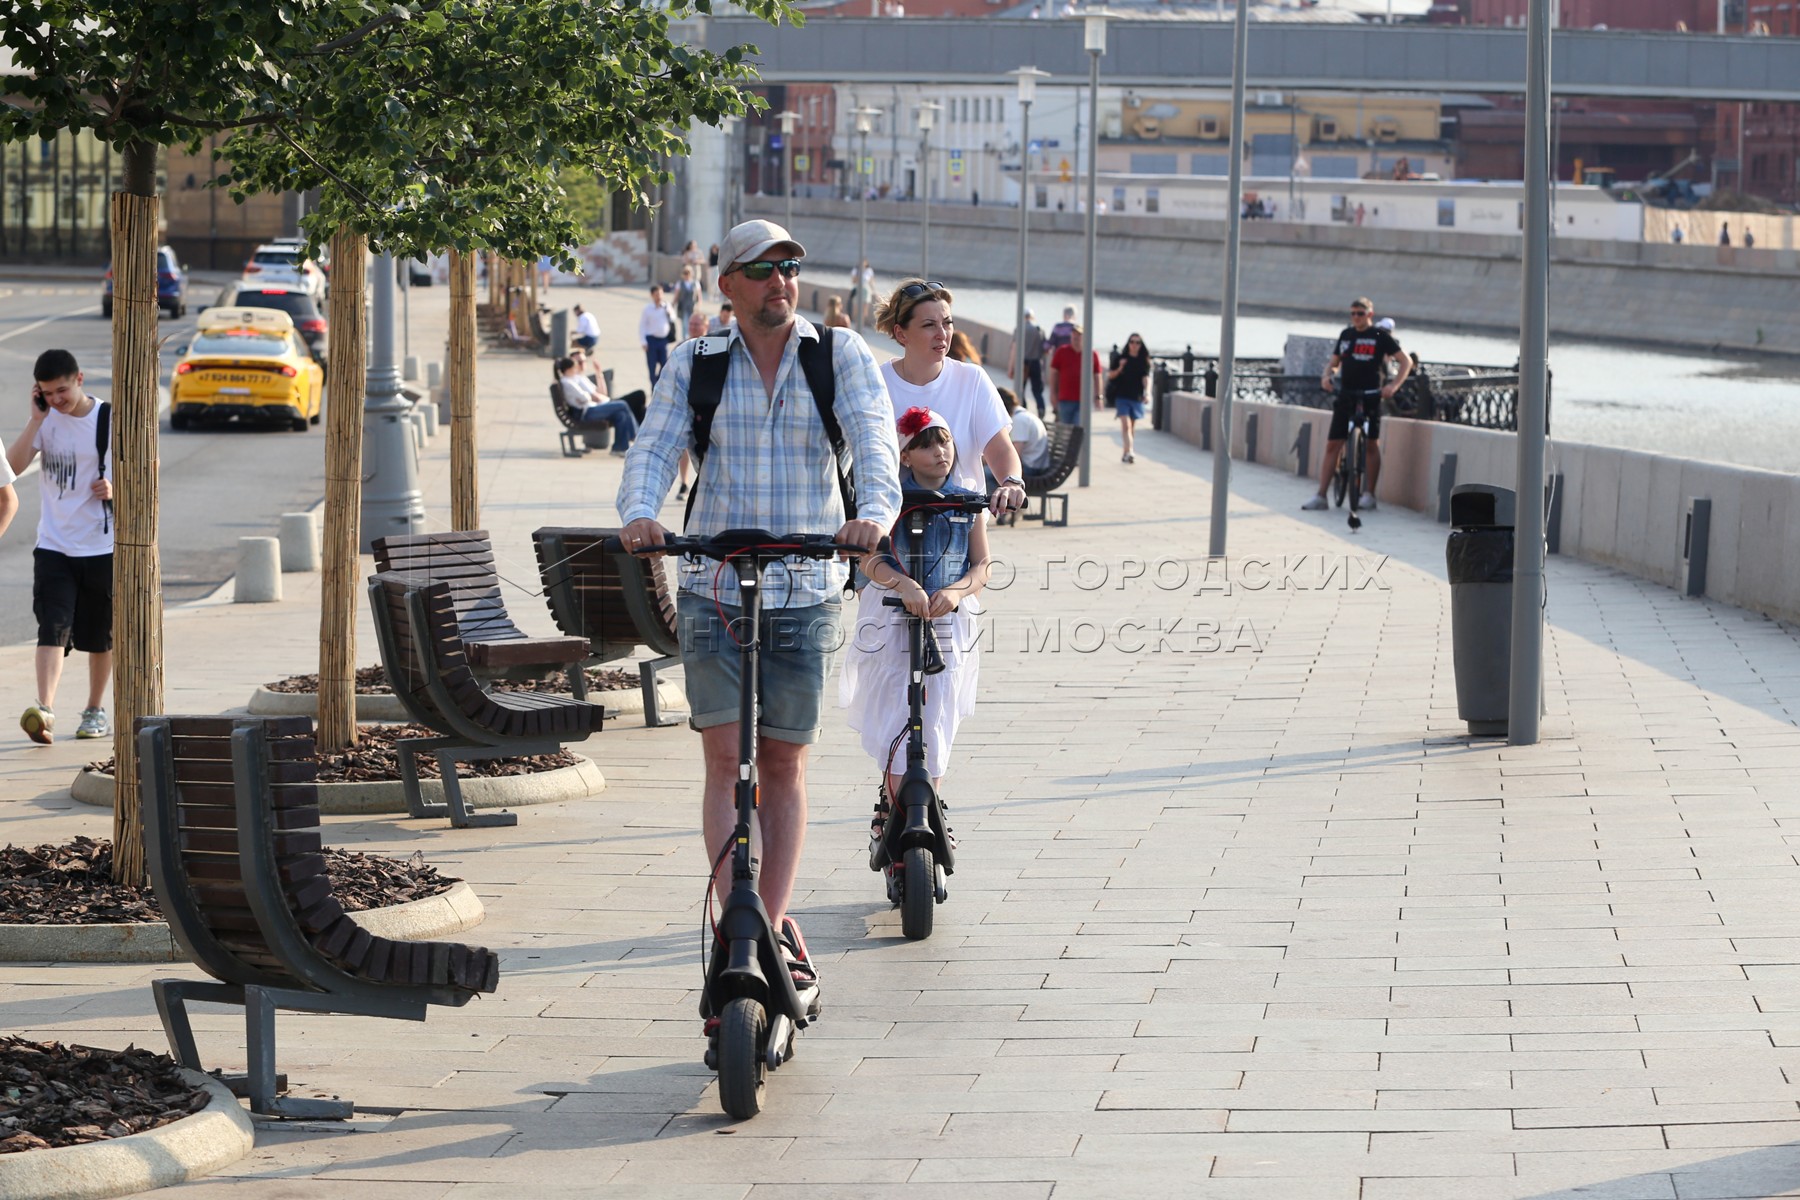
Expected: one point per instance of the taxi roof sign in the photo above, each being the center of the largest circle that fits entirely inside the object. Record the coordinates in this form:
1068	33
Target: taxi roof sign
261	320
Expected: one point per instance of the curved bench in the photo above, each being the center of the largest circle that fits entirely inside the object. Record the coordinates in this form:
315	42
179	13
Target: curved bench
231	834
1065	456
616	601
416	626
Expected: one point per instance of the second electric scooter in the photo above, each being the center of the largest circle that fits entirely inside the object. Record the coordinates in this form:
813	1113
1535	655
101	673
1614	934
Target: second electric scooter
915	848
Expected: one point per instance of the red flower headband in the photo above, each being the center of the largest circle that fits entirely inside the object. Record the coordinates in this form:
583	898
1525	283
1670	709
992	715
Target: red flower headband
915	421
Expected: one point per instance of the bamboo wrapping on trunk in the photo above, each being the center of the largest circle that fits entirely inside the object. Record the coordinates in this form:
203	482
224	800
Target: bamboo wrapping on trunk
132	466
465	479
343	492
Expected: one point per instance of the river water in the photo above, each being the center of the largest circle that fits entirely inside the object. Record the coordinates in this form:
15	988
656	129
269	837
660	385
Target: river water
1728	408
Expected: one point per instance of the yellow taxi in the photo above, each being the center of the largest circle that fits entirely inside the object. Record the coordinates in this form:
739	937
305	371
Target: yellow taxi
248	363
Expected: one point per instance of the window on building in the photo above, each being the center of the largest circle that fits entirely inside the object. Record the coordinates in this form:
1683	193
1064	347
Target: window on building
1447	212
1154	164
1152	200
1041	198
1209	127
1759	168
1118	199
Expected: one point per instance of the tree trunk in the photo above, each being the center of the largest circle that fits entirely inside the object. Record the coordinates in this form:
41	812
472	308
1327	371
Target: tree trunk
465	478
137	571
343	492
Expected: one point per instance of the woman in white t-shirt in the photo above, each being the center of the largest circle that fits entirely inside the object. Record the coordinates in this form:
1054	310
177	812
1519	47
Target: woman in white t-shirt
917	316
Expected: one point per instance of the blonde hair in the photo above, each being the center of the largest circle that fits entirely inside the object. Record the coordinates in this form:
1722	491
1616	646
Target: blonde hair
896	311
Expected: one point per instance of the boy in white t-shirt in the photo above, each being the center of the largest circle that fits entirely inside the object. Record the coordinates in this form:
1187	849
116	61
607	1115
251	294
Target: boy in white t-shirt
71	587
1029	437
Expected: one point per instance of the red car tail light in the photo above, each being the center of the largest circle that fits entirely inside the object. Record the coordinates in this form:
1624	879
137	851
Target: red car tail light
183	368
315	325
290	372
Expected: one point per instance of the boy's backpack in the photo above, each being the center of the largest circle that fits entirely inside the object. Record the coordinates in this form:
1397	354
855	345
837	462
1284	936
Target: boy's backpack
706	387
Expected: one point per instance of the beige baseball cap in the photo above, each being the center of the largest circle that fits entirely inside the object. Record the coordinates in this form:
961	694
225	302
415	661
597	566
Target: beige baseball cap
751	240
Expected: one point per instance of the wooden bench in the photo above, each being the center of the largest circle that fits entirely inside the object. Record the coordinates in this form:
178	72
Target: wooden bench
1065	456
616	601
576	438
493	644
231	835
416	626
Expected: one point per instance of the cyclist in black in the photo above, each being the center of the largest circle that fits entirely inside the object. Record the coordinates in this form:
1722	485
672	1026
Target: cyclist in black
1359	359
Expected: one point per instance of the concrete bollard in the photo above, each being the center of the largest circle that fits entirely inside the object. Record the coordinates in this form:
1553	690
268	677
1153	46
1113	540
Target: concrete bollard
259	571
299	542
431	420
434	375
416	419
412	367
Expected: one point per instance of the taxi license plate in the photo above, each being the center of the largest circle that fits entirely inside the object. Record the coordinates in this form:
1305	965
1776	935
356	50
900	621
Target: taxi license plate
234	391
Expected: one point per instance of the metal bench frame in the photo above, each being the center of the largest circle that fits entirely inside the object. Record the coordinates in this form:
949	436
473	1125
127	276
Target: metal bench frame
1065	456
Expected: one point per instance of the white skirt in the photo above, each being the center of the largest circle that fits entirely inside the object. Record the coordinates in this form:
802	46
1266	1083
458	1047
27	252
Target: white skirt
872	686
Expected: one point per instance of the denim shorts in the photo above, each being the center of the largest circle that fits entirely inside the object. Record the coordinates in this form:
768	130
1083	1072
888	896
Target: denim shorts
799	646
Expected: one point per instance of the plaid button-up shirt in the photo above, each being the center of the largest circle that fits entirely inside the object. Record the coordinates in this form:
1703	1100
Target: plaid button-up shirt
770	464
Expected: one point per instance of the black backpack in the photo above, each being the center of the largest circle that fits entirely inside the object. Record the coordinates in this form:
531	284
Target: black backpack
706	388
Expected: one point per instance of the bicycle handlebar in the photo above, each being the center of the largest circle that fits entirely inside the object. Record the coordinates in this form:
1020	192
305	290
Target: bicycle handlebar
914	498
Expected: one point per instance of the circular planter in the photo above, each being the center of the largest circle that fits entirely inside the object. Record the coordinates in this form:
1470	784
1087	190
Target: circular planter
437	916
385	706
389	796
215	1137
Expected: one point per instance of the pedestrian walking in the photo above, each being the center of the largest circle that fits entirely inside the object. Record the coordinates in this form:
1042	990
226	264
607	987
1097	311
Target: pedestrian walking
656	330
692	258
72	576
1063	330
862	293
767	461
1128	387
1031	343
687	295
1065	377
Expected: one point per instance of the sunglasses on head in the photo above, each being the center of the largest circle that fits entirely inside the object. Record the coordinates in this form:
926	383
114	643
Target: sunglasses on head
760	270
913	291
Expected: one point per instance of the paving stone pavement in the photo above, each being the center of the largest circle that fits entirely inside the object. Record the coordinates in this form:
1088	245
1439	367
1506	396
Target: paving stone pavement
1239	914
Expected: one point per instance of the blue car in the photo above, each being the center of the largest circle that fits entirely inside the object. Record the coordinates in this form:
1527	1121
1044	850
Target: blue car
171	285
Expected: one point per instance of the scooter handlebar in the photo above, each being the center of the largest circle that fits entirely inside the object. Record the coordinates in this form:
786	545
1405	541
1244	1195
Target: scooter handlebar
746	543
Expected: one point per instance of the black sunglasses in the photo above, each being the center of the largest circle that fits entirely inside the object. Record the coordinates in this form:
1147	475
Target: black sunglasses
913	291
760	270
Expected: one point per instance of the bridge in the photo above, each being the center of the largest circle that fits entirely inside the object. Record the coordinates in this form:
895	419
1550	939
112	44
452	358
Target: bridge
1169	53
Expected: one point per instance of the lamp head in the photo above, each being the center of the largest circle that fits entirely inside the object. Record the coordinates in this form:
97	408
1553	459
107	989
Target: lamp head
1094	31
1027	78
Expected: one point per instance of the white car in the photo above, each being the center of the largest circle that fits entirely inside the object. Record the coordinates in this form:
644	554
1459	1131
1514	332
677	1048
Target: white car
281	265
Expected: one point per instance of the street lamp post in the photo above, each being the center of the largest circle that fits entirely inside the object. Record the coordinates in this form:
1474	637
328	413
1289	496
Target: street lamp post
391	501
865	121
1094	39
928	111
1027	78
1234	223
788	120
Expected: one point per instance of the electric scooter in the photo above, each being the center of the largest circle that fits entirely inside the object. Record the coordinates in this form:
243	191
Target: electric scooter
915	847
750	1005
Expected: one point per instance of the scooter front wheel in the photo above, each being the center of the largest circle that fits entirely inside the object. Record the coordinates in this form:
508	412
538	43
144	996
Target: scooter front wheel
742	1031
918	893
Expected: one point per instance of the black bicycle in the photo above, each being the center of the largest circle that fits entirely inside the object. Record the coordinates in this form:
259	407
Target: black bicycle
915	848
750	1005
1350	480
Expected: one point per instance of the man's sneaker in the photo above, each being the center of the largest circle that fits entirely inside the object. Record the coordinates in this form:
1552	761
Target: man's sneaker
1316	504
1366	502
37	722
93	724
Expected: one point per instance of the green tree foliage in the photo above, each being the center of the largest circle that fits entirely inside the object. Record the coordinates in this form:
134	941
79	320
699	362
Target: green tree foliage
454	124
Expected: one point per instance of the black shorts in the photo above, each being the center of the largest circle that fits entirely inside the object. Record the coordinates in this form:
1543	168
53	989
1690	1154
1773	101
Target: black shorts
1345	405
72	600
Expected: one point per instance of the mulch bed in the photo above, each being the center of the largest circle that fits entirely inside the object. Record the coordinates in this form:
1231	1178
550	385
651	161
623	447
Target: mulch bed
55	1095
72	884
374	760
372	681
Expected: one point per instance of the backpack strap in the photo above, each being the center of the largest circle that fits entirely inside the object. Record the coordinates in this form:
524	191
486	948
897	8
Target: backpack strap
821	380
706	388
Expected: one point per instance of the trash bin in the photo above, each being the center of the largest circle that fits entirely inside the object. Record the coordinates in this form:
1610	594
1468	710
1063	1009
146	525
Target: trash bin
1479	557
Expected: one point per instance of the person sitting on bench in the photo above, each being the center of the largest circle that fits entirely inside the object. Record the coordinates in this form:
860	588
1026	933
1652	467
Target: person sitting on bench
591	406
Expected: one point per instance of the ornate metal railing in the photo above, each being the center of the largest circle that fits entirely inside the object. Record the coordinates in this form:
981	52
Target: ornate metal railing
1484	397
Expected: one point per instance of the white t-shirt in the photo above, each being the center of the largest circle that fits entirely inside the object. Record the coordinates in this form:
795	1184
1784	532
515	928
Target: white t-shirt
656	322
969	403
71	520
6	472
1032	439
587	326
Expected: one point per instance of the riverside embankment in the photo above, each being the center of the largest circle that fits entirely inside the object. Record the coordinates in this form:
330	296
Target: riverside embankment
1689	296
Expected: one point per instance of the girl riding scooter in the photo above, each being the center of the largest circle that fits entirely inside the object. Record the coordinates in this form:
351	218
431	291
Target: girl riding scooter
878	668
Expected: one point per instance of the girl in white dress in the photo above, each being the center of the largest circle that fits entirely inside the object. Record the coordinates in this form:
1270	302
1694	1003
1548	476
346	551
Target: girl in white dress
876	663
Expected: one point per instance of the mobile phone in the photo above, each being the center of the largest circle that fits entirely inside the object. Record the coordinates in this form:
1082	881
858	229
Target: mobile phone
37	398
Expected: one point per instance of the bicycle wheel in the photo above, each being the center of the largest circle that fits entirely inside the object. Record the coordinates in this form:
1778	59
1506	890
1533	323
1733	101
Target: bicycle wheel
1356	455
1340	478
